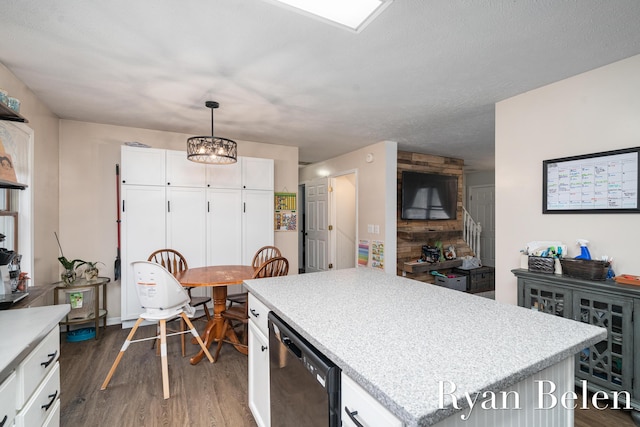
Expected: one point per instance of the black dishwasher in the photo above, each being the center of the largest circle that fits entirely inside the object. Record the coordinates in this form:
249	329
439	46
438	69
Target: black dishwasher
305	385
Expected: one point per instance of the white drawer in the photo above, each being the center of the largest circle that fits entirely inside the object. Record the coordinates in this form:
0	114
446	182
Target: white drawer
258	313
54	416
43	401
36	365
363	407
7	400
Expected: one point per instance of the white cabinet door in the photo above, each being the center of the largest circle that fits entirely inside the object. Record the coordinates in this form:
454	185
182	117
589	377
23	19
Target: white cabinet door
257	222
8	400
143	213
186	227
225	176
257	174
358	406
258	392
224	227
182	172
142	166
186	223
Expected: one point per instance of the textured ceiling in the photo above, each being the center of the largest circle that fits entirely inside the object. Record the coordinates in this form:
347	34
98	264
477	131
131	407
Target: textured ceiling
425	73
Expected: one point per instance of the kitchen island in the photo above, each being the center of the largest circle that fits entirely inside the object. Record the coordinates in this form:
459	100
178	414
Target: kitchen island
431	355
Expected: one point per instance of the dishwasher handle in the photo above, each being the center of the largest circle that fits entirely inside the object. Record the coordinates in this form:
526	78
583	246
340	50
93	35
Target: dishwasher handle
291	346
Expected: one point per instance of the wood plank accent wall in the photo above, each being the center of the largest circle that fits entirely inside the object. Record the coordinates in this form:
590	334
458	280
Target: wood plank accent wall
415	233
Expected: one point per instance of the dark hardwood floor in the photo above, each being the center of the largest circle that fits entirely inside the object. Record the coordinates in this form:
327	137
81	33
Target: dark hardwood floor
201	395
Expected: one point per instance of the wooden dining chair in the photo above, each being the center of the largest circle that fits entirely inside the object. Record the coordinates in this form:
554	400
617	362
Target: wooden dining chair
175	262
263	254
238	314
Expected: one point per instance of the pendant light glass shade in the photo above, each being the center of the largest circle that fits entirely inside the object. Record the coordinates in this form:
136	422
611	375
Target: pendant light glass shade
212	149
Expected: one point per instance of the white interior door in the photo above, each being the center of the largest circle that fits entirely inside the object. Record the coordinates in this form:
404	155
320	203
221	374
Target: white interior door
343	237
482	210
316	227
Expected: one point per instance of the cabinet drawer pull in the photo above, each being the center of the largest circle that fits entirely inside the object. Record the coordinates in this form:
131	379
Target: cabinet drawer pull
352	415
263	347
53	399
4	420
254	313
52	357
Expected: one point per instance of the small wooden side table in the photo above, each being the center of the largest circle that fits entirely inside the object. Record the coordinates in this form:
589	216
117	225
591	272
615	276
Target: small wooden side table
82	313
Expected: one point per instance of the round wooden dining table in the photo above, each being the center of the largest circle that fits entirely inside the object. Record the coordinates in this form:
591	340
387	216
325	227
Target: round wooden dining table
218	277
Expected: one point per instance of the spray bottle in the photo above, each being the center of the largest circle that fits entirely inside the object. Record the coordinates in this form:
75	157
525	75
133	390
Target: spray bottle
584	250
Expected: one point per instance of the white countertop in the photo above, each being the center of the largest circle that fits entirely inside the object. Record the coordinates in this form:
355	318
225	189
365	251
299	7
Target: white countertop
398	337
22	329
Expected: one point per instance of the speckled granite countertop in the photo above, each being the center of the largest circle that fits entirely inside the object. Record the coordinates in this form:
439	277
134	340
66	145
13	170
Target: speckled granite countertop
398	337
22	329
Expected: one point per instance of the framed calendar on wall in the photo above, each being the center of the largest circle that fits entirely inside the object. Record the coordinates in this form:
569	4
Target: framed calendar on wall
605	182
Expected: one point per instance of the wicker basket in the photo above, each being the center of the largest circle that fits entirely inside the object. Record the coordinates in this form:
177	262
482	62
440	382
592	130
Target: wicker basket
585	269
539	264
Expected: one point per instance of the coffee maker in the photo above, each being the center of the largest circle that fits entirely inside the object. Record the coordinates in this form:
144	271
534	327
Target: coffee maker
8	271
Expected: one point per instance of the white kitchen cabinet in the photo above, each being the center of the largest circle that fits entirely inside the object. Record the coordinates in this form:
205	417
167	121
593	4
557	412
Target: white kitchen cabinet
251	173
43	402
37	396
239	222
225	176
358	406
258	391
199	210
224	226
142	166
258	364
143	216
257	174
181	172
155	218
257	222
8	390
258	314
186	223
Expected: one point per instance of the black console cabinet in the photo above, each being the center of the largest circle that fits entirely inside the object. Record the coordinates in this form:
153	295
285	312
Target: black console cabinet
612	365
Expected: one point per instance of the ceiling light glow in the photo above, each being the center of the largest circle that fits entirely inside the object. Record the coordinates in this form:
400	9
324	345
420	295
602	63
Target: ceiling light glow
353	14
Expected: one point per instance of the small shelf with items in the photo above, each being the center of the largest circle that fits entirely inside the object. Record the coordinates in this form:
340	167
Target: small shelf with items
7	113
426	234
87	306
420	267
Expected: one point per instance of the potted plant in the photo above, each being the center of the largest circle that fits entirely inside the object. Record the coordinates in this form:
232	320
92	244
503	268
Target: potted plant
68	276
91	270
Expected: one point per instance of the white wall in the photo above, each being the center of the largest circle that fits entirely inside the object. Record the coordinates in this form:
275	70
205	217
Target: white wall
376	191
88	209
595	111
344	189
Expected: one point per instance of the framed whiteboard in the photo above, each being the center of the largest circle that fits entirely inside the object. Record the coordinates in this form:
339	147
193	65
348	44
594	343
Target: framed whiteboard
605	182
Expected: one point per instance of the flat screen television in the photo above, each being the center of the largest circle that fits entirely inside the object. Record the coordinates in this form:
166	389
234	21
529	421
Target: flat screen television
429	196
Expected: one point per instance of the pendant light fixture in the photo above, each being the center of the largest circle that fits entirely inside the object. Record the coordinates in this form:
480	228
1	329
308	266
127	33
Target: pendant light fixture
212	149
